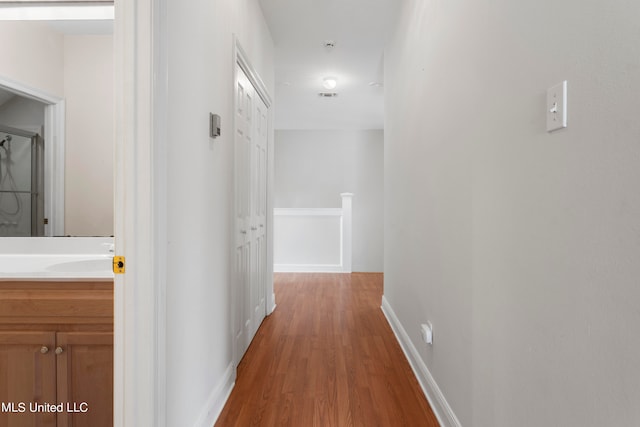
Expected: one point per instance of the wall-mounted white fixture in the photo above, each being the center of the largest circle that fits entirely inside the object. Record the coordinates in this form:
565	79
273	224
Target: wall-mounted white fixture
56	13
557	107
426	330
329	83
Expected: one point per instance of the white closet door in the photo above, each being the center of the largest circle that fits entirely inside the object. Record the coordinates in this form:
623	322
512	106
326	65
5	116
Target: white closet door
250	212
258	219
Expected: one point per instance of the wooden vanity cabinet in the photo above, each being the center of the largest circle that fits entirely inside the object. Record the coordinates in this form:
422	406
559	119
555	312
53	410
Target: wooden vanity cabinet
85	377
27	374
56	348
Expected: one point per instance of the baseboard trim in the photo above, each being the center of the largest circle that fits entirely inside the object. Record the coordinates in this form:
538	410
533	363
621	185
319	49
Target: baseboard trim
444	413
272	304
217	399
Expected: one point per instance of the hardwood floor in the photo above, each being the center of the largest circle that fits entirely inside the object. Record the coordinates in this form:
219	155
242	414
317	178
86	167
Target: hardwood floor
326	357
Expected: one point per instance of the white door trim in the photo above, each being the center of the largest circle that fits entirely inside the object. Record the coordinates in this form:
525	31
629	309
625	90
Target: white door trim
241	58
139	214
54	120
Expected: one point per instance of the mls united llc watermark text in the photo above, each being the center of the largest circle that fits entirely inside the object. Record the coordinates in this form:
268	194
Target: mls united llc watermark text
37	407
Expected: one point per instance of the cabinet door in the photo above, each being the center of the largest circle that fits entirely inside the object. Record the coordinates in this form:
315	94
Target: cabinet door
85	378
27	377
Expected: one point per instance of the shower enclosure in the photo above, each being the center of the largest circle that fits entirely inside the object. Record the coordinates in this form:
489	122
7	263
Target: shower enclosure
21	183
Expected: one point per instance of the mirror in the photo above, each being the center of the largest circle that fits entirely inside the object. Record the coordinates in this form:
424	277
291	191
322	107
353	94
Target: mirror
57	124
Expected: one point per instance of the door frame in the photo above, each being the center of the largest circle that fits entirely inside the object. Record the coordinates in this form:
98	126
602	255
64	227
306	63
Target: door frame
140	195
240	58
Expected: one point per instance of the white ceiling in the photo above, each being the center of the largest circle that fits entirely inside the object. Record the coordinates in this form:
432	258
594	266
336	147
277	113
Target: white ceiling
299	29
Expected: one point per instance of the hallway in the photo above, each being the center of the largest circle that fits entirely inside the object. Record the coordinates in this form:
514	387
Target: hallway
326	357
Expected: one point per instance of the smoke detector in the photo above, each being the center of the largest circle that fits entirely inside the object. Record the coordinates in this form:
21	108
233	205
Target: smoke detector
329	44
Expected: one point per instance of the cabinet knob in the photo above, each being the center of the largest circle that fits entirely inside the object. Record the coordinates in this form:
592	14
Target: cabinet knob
44	349
59	350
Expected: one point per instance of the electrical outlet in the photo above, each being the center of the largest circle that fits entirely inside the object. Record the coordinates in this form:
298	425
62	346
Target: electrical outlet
426	330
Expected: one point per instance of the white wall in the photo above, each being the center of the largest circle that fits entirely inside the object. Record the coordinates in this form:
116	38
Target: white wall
28	48
519	245
312	168
88	91
199	176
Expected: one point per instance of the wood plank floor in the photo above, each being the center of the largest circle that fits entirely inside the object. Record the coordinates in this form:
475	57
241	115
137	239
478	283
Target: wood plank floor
326	357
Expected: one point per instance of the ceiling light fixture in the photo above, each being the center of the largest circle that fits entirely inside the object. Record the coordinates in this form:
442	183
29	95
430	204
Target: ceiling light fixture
329	82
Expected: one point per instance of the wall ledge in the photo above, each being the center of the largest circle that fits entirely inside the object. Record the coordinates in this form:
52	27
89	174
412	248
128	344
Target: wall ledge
439	405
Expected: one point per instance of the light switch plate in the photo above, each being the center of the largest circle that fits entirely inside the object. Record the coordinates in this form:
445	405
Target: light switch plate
557	107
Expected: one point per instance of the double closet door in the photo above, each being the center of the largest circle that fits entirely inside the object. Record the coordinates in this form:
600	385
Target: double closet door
251	136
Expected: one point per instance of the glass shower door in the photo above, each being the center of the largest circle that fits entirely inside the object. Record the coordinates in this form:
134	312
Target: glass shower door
20	175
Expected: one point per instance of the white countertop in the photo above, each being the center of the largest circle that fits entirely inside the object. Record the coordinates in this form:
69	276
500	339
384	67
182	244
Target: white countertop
56	259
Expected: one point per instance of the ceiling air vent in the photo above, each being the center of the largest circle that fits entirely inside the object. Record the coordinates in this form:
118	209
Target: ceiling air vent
327	94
